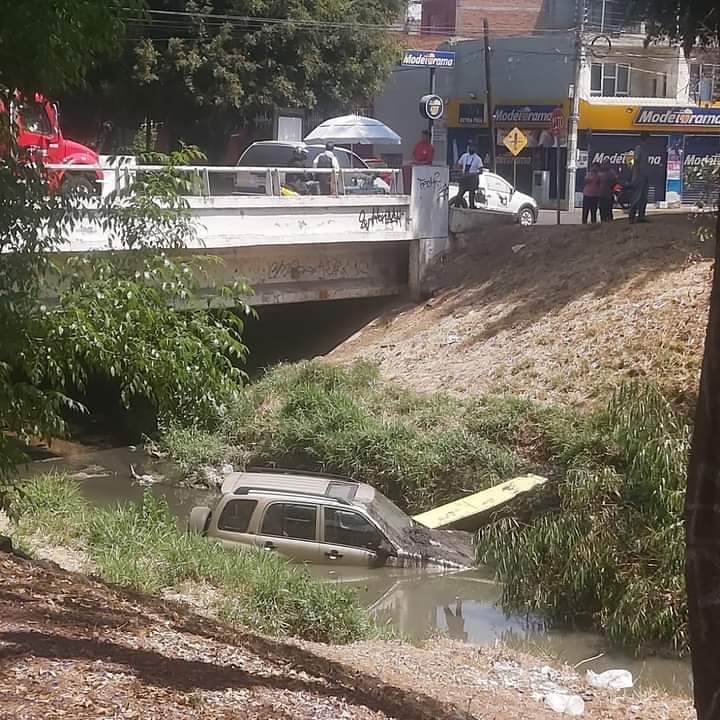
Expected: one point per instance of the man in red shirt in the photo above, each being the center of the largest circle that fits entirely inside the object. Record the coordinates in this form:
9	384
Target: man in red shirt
424	151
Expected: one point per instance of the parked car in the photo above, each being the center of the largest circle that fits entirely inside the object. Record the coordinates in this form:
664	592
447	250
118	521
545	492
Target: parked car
323	519
280	154
497	195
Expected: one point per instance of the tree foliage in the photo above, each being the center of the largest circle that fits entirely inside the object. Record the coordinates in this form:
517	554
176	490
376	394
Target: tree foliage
689	22
133	313
49	45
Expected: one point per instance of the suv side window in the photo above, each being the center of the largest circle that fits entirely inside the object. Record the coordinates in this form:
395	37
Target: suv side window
290	520
345	527
236	515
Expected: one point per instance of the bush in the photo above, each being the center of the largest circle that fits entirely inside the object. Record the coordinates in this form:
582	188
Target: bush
612	555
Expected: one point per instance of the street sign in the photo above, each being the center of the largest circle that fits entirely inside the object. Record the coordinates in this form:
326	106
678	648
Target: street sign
442	59
557	122
515	141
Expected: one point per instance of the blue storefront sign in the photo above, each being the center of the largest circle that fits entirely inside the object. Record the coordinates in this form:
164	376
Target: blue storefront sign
702	152
677	117
617	147
524	115
440	59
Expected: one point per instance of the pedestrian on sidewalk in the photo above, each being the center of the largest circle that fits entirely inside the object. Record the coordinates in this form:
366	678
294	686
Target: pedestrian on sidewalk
640	180
591	194
471	166
607	178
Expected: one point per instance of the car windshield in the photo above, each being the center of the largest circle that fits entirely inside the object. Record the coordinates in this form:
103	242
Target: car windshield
388	513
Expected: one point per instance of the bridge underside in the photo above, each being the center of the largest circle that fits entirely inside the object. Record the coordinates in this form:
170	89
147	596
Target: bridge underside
280	274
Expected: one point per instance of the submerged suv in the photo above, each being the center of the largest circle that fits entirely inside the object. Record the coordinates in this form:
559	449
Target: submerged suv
322	519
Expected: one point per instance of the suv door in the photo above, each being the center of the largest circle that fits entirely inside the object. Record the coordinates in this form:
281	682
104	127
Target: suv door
349	538
233	526
291	529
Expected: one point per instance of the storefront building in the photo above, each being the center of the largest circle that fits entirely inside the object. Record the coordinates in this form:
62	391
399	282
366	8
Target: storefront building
467	122
683	141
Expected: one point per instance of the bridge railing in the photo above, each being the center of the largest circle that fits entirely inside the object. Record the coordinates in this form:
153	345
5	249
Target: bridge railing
223	180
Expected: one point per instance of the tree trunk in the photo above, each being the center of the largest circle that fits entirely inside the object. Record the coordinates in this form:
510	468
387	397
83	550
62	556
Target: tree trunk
702	517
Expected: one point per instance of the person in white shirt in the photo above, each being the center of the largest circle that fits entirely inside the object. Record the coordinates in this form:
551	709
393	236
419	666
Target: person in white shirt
326	159
471	166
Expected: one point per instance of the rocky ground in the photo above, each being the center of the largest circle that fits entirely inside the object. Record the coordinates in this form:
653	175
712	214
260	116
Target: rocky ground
71	646
556	314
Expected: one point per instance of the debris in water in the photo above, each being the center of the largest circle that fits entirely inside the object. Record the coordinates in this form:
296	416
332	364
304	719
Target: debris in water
143	479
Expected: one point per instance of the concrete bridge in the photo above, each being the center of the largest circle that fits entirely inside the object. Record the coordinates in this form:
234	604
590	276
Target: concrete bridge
316	247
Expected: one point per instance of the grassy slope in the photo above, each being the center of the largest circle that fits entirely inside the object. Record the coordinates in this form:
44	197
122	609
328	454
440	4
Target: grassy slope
564	320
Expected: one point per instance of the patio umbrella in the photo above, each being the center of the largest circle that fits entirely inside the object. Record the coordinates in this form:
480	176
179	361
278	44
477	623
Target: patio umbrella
354	130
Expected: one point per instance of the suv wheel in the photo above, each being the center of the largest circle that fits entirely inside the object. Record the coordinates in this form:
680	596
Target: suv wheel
526	216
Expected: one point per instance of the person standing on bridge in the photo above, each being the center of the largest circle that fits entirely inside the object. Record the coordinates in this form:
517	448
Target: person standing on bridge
607	178
423	151
471	166
327	160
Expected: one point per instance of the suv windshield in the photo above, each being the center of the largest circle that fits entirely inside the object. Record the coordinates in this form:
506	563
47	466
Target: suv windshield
388	513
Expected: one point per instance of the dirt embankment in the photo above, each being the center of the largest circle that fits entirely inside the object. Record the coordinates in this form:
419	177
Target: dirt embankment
73	647
555	314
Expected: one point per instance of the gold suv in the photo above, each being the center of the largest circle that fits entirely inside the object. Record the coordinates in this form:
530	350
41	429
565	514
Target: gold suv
316	519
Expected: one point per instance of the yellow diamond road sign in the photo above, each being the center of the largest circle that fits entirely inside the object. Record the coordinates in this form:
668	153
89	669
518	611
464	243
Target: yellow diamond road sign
515	141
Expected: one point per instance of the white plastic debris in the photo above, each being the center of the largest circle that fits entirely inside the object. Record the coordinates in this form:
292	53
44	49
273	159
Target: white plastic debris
572	705
610	679
226	469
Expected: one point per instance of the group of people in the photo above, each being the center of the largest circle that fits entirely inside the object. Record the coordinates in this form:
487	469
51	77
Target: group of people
601	180
599	192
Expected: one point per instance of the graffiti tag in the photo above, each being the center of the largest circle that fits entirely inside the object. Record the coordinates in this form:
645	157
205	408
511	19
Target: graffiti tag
380	216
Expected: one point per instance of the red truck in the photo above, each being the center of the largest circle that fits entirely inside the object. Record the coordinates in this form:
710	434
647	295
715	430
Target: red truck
38	131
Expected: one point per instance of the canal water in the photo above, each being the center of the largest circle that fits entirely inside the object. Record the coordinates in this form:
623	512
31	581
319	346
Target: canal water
416	605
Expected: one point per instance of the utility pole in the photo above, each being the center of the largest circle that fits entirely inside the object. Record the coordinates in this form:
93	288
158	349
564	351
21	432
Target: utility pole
489	96
573	120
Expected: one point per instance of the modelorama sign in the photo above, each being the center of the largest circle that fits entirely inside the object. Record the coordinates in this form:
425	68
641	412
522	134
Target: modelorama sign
524	114
678	117
429	59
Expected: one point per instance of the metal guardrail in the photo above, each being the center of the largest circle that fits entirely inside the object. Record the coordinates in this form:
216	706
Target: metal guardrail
343	181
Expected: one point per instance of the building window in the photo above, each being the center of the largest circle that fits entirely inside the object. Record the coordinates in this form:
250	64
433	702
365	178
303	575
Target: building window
609	80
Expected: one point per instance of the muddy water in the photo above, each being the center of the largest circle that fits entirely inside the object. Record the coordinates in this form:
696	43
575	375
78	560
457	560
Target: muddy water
417	605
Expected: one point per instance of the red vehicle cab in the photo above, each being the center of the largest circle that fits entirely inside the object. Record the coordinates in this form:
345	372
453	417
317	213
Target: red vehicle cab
38	131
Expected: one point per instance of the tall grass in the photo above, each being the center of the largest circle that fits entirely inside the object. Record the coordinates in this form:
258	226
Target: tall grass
611	556
419	450
138	545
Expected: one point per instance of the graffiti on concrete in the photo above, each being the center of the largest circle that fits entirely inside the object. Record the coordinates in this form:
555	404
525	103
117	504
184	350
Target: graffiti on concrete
434	183
384	217
329	268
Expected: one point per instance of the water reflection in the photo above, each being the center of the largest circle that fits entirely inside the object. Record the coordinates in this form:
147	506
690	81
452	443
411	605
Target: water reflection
417	605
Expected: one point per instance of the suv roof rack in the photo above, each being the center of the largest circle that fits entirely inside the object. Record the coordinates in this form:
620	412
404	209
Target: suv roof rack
246	490
307	473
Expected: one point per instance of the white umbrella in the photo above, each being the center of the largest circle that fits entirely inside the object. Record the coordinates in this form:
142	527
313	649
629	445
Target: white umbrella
354	130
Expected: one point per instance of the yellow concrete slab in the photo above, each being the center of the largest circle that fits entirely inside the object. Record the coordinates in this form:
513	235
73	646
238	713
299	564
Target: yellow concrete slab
462	511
